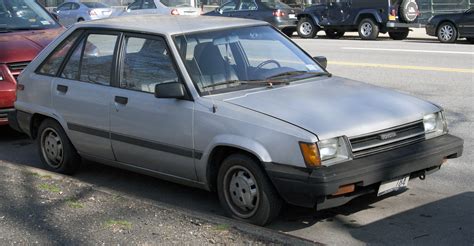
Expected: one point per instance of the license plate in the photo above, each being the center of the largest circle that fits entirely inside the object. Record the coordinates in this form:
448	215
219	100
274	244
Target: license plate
292	16
393	185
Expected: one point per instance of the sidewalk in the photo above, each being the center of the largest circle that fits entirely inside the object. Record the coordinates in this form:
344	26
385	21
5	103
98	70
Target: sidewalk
40	207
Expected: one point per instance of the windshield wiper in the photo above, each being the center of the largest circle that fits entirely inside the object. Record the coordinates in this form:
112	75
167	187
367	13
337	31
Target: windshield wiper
299	72
246	82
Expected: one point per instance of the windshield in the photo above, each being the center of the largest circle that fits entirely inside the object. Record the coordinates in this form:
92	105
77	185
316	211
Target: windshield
93	5
24	15
179	3
241	58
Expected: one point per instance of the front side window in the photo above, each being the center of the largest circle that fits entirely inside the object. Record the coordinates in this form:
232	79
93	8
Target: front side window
146	63
18	15
135	5
64	7
247	5
149	4
229	6
96	63
241	58
52	63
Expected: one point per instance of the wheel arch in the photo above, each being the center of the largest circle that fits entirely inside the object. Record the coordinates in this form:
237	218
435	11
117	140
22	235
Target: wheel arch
37	119
310	16
367	14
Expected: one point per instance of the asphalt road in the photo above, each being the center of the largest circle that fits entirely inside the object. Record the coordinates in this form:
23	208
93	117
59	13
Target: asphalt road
438	210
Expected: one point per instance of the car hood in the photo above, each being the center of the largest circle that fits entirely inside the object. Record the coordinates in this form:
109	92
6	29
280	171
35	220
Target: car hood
331	107
25	45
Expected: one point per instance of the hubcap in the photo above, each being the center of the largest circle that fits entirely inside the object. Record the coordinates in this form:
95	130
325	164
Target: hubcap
306	28
446	32
241	191
366	29
52	147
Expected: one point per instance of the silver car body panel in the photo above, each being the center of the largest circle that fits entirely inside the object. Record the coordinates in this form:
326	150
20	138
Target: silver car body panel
162	9
261	121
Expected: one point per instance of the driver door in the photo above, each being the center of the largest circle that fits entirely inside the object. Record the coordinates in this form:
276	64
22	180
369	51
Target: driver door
148	132
338	11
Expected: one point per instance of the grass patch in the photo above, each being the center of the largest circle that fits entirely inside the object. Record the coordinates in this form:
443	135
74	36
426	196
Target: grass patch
46	176
221	227
120	224
49	187
34	174
73	203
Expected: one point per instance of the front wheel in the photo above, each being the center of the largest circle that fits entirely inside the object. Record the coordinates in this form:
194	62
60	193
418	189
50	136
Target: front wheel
306	28
399	35
245	191
55	149
447	33
368	29
333	34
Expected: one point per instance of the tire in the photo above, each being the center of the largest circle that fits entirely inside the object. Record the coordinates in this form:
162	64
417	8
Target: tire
368	29
80	19
55	149
239	177
470	40
408	11
447	33
306	28
399	35
333	34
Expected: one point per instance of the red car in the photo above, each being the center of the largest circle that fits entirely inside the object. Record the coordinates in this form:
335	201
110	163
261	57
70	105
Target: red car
25	29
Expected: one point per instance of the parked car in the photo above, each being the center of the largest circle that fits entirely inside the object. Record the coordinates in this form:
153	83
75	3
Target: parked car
274	12
163	7
25	29
369	18
69	13
449	27
224	104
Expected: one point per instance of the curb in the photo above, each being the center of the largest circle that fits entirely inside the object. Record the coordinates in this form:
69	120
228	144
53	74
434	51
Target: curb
253	230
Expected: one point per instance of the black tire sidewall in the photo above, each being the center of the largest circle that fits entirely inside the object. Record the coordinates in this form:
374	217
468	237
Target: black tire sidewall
71	160
453	38
334	34
314	30
399	35
270	202
375	29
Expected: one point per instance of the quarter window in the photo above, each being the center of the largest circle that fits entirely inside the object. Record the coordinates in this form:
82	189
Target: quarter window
52	64
146	63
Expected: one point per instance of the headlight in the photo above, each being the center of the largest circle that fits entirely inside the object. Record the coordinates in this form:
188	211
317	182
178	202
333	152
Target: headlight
435	125
325	152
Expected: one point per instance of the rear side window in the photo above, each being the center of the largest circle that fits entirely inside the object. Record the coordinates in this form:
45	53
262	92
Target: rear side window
146	63
53	62
91	61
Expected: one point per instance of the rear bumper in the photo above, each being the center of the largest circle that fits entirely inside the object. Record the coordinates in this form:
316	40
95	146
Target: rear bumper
4	115
285	24
313	188
20	121
392	24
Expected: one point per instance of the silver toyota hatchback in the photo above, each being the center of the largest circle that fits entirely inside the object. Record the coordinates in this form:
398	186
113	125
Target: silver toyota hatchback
228	105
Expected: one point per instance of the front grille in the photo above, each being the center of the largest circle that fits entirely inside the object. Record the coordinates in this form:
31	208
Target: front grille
387	139
16	68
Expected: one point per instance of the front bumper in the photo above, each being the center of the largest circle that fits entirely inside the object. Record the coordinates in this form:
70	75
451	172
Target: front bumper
313	188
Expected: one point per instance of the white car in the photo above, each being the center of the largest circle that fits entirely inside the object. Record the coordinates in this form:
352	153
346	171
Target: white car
163	7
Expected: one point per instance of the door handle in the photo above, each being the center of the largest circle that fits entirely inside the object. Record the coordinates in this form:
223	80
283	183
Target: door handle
62	88
121	100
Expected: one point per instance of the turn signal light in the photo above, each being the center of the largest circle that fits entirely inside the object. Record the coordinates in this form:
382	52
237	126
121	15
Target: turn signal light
174	12
344	189
310	154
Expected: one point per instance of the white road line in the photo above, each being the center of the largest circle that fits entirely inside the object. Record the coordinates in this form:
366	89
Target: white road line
413	51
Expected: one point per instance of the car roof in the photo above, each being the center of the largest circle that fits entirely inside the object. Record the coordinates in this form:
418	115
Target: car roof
168	24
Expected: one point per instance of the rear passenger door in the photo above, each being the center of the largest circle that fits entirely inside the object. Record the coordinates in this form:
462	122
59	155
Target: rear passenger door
148	132
81	93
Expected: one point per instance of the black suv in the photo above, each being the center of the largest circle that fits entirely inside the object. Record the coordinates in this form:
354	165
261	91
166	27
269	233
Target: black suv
368	17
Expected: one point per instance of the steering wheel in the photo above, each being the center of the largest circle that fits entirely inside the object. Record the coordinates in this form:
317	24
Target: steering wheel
261	65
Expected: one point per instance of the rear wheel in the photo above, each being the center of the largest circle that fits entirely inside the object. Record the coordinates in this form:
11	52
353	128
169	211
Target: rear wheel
399	35
368	29
245	191
55	149
447	33
80	19
470	40
333	34
306	28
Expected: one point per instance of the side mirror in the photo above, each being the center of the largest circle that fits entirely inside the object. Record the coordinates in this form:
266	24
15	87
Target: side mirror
322	60
170	90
